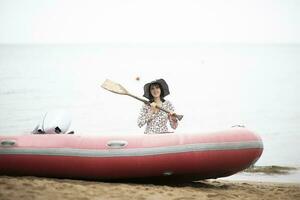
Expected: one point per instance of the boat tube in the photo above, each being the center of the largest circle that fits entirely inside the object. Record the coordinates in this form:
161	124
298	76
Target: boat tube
106	157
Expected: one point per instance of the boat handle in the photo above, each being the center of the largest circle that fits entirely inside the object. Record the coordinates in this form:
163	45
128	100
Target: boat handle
7	143
117	144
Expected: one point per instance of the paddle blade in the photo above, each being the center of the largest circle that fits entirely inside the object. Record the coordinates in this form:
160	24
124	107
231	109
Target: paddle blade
114	87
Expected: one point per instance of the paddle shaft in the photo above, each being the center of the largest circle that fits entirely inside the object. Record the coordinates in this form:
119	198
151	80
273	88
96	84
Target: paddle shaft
179	117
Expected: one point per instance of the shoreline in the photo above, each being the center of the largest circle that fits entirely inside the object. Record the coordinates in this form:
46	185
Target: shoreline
271	173
29	187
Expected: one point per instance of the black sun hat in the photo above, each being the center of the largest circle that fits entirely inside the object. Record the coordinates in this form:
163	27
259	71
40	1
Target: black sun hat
163	86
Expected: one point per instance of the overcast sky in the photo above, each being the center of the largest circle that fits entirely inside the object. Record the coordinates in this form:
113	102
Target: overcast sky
148	21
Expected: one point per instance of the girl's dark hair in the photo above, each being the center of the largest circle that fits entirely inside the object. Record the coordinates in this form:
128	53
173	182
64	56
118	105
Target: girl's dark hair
161	92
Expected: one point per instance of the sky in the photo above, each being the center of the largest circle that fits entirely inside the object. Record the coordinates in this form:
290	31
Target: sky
144	21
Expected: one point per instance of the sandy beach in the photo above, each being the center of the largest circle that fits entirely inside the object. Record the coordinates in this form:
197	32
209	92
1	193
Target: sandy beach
27	188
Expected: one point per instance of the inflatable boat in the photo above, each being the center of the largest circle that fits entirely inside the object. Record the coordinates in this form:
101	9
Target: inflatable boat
194	156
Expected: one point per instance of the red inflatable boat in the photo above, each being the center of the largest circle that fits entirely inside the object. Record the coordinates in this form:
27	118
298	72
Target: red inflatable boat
177	155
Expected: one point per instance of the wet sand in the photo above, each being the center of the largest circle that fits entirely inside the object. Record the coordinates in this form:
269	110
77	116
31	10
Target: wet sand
28	188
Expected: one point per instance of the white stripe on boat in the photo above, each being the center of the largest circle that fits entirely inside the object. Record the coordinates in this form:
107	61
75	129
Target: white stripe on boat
133	151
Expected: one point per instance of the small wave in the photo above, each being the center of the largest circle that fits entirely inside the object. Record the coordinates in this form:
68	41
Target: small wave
13	92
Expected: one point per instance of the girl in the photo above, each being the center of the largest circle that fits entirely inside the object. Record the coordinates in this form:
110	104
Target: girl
156	119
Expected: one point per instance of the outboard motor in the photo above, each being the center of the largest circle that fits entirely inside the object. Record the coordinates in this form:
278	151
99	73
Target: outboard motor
54	122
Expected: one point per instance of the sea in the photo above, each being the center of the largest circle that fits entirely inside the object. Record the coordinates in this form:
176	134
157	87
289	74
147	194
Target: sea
215	87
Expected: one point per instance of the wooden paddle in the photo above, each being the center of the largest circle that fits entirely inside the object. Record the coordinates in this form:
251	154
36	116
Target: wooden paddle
119	89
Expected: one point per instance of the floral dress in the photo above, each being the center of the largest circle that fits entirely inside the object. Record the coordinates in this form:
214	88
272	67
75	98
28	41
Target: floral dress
156	122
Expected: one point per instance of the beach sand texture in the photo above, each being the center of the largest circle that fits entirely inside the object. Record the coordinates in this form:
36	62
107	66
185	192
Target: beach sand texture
28	188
